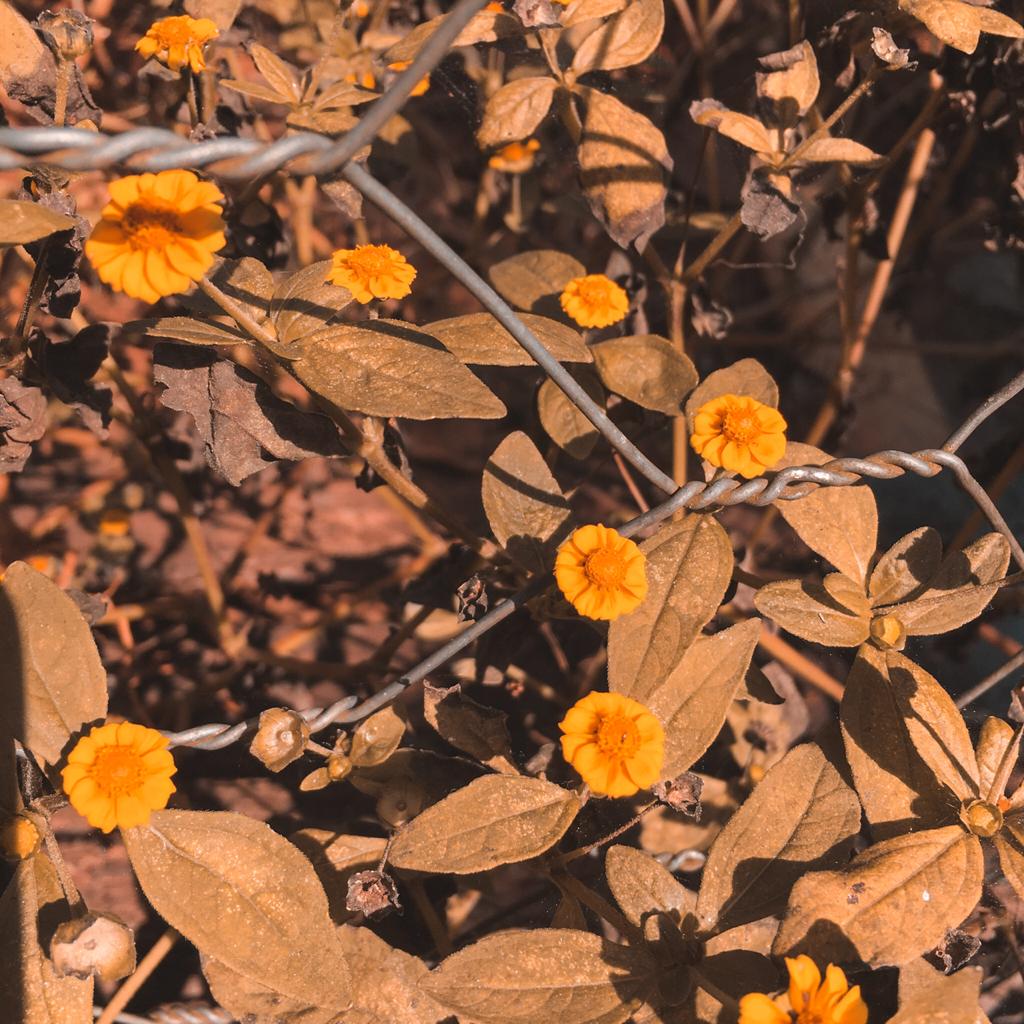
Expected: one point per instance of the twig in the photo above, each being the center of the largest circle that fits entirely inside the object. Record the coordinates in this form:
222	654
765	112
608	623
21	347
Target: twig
132	984
979	689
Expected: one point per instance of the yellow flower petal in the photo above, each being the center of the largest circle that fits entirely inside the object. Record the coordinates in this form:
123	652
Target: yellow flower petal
757	1008
804	979
851	1009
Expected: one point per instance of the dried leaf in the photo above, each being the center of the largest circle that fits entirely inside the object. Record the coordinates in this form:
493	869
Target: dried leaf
827	150
885	49
477	730
838	523
388	368
879	714
52	681
248	999
244	426
515	110
800	818
497	819
689	565
904	570
304	302
247	281
195	332
527	511
521	977
928	996
22	421
22	222
957	593
624	40
745	377
647	370
270	923
478	339
742	128
254	90
280	75
642	887
892	903
791	82
561	418
533	280
221	12
766	210
623	163
587	10
994	740
1009	844
807	610
376	739
335	857
29	986
960	24
693	700
484	27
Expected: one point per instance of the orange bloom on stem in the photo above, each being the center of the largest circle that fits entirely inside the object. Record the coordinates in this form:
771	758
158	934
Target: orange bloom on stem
614	742
118	775
601	573
739	434
372	272
809	999
157	234
421	86
515	158
594	301
178	42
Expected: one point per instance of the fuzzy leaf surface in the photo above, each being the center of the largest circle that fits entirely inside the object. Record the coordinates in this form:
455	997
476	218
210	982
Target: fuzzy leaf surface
647	370
478	339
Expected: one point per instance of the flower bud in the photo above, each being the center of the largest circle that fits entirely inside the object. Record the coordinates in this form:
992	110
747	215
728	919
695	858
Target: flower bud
888	632
281	738
982	818
19	838
97	944
338	767
68	33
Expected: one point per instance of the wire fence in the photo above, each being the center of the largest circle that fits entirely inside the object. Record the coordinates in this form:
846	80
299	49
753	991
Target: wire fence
301	154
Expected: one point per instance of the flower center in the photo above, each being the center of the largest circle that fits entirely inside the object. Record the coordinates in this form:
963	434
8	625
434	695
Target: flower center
118	770
149	226
176	31
618	736
371	263
807	1017
594	293
605	568
741	426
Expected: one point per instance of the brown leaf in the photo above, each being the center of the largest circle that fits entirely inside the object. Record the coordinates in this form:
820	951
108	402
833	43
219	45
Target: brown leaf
254	90
791	82
958	592
960	24
478	339
807	610
647	370
1009	845
196	332
221	12
389	368
904	570
525	507
497	819
477	730
838	523
586	10
827	150
270	924
643	888
248	999
533	280
304	302
742	128
892	903
244	426
624	40
376	739
52	681
693	699
521	977
247	281
515	110
994	742
623	163
484	27
335	857
280	75
22	222
885	49
898	789
23	420
689	565
29	986
561	418
928	996
744	377
800	817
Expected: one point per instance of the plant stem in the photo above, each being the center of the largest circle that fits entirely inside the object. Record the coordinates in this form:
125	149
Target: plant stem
60	103
582	851
147	965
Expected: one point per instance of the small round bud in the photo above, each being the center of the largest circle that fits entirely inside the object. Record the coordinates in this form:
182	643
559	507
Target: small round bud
982	818
281	738
19	838
68	33
888	632
97	944
338	767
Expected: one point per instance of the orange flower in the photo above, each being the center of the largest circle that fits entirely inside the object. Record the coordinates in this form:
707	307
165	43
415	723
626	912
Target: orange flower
614	742
601	573
372	272
421	86
158	234
808	1001
515	158
118	775
594	301
178	41
740	434
364	78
